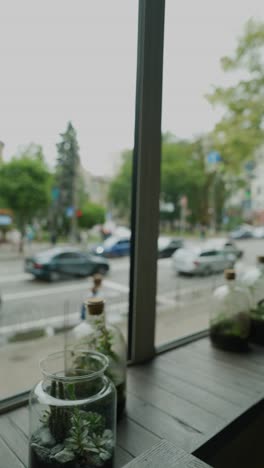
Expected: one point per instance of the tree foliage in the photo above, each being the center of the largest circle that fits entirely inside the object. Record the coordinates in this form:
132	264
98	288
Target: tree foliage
241	130
120	187
92	214
25	187
183	173
67	167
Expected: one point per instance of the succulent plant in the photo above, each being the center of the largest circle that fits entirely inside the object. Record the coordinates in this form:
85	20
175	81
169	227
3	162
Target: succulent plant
90	445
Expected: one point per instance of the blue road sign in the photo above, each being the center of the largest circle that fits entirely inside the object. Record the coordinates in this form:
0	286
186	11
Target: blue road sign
55	192
213	157
70	211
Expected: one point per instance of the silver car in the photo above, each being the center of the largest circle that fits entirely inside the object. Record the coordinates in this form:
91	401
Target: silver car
202	260
225	244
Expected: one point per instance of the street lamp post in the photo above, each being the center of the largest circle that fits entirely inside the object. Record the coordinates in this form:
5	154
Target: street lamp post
213	160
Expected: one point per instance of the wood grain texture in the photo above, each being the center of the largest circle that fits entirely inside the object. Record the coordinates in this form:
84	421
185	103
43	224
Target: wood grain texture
122	457
8	458
166	455
188	372
203	399
187	396
163	425
186	412
14	438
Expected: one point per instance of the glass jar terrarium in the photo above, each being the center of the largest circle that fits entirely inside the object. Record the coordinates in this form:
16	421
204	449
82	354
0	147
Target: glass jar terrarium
230	315
253	279
95	334
73	413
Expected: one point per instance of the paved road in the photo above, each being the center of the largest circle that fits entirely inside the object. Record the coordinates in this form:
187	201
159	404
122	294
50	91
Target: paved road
27	301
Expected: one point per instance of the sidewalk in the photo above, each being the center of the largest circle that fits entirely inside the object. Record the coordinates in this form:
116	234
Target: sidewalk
19	362
11	251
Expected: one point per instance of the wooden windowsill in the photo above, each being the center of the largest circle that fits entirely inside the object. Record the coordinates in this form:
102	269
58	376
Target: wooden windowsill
195	397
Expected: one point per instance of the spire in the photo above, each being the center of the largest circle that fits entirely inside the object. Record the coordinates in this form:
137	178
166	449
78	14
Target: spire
2	145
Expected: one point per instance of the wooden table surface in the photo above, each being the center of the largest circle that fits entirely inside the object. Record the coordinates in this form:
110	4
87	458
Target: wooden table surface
185	396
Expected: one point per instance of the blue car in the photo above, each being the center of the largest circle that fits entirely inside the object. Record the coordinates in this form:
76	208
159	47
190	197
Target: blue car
113	247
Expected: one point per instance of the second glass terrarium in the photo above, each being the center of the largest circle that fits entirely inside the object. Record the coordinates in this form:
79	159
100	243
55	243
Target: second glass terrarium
253	279
73	414
230	315
96	334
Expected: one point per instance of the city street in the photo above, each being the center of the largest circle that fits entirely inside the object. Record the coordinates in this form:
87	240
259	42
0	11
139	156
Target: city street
183	305
29	303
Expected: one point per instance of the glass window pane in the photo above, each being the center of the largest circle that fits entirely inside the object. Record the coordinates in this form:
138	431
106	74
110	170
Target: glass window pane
212	156
67	126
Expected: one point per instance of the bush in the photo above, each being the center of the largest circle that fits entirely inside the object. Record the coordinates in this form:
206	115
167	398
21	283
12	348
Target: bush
92	214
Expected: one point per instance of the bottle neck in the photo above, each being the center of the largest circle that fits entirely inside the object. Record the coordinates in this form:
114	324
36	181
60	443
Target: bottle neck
96	320
231	283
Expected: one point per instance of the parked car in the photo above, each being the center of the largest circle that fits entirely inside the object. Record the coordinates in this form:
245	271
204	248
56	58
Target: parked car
167	246
227	245
258	232
242	232
59	263
202	260
113	247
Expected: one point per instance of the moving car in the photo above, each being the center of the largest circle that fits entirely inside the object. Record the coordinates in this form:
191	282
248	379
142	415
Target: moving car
242	232
116	246
167	246
59	263
113	247
202	260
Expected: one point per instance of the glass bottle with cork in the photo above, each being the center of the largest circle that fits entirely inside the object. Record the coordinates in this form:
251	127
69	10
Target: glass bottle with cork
107	339
230	315
254	281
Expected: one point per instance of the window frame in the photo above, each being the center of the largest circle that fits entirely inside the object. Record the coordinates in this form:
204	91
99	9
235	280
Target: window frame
146	182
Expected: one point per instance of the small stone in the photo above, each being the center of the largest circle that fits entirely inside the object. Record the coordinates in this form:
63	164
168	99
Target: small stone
64	456
58	448
42	452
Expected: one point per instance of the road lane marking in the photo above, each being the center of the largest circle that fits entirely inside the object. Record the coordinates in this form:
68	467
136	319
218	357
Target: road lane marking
114	313
60	289
14	278
112	285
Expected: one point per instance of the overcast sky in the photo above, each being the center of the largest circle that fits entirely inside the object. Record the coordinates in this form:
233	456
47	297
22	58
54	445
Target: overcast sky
66	60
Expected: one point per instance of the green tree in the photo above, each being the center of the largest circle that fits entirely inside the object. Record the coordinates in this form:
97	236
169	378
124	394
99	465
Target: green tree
241	130
25	188
67	174
92	214
183	173
120	187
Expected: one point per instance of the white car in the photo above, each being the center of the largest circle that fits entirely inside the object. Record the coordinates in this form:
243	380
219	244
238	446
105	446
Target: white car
258	232
202	260
222	243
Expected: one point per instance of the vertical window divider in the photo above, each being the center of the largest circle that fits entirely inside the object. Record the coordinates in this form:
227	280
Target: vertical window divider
146	181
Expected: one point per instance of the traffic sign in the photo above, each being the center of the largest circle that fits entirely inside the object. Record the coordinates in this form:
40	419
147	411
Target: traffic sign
70	211
213	157
55	192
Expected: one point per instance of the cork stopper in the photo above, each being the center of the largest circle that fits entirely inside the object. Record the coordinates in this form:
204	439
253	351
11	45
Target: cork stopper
230	274
97	279
95	306
260	259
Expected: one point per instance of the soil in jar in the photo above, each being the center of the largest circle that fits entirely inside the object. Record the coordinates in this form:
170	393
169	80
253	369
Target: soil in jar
36	462
223	336
257	331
